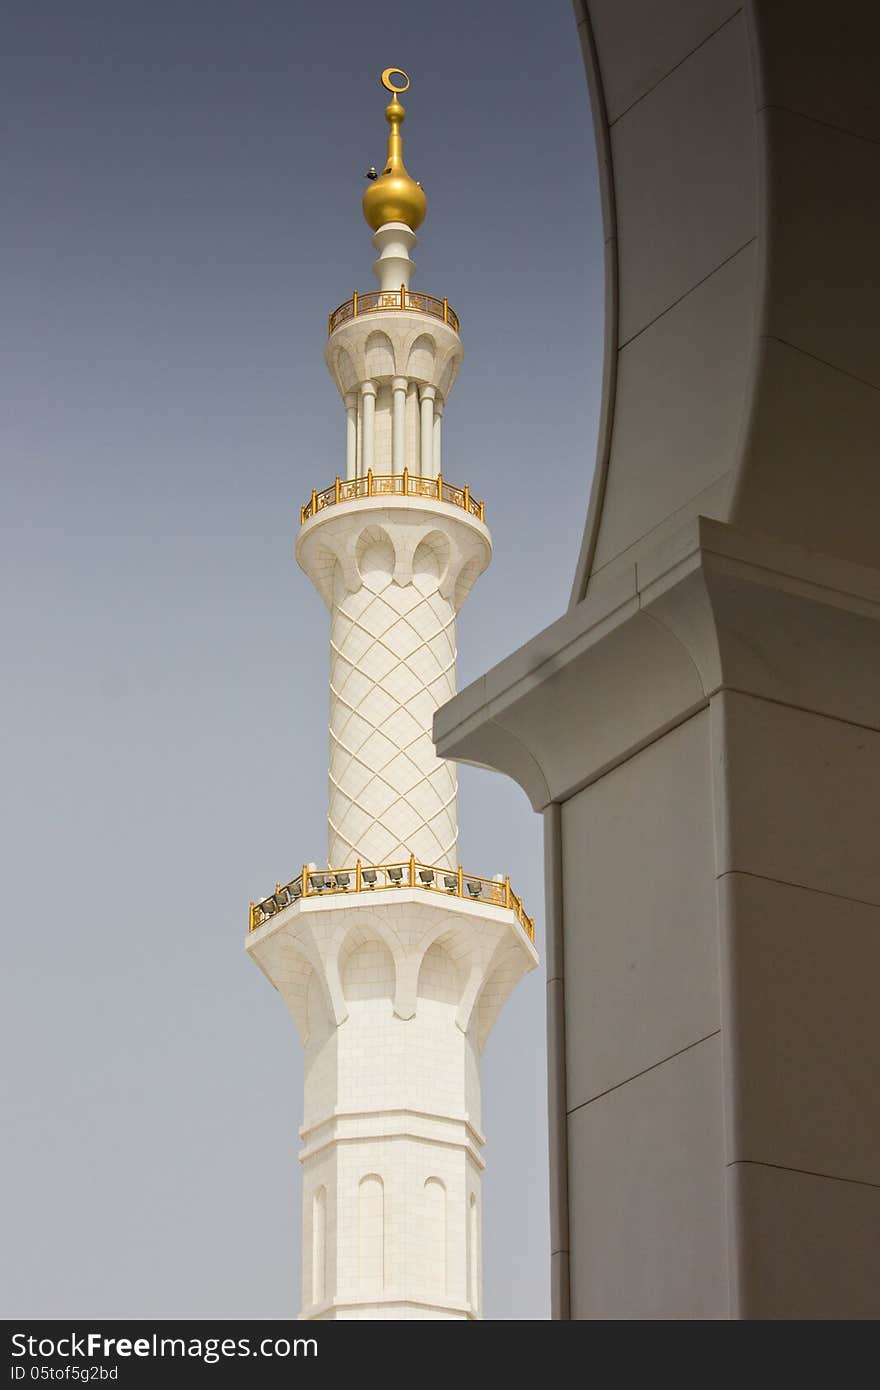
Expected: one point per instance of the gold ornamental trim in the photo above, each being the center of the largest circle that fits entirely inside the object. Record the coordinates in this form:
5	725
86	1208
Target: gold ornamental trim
377	878
403	484
375	301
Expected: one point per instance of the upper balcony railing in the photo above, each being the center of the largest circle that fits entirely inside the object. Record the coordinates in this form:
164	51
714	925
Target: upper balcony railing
403	484
374	301
362	878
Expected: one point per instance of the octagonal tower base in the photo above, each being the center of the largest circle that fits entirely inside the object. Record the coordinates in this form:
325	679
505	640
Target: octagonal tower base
394	991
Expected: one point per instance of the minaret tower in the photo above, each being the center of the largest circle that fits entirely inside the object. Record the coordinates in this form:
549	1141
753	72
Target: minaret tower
393	961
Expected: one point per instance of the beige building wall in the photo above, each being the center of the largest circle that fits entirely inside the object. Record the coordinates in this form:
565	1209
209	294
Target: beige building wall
649	1136
701	730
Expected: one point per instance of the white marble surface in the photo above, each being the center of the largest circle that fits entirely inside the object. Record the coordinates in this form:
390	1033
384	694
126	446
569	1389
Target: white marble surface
394	993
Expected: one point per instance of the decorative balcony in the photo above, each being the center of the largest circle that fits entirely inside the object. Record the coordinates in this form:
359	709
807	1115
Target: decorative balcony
378	878
403	484
377	301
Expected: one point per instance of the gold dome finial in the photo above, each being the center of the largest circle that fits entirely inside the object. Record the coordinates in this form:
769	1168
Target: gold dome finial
393	196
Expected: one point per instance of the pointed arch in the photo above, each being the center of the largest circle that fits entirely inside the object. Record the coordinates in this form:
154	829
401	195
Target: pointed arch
372	1273
379	355
435	1238
319	1244
420	364
473	1251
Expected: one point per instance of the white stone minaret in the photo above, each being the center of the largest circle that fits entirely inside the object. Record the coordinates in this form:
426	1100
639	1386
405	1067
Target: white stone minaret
393	961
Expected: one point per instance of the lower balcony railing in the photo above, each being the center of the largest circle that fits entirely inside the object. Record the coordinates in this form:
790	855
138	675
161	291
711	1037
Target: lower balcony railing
313	883
403	484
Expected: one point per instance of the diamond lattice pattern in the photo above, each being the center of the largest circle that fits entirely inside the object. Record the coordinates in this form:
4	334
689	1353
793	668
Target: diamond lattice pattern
392	663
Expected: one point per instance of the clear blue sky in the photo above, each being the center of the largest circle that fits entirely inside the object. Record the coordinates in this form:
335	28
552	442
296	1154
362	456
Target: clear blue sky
182	186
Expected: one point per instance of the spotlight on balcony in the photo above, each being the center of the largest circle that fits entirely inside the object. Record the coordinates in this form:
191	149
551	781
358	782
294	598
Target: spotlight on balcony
427	876
474	887
342	880
317	882
450	882
297	891
267	907
368	876
282	897
396	876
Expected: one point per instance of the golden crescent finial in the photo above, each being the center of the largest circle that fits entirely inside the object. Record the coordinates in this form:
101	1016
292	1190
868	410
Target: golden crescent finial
395	196
389	85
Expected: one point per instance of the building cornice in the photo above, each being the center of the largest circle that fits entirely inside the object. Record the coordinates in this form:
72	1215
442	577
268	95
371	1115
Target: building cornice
712	607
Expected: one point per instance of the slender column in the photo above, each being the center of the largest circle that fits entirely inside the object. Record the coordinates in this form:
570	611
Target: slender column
426	398
437	460
351	435
398	424
368	401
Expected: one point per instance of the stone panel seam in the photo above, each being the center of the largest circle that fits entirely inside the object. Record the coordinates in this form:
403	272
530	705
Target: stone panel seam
660	80
630	555
823	361
787	704
673	304
716	1032
756	570
802	887
805	1172
596	776
815	120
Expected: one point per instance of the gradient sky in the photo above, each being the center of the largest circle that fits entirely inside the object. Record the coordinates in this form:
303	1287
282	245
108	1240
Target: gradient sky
182	185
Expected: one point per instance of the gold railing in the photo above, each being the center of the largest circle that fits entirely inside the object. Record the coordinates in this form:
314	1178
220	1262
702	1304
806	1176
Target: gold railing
373	301
403	484
374	878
